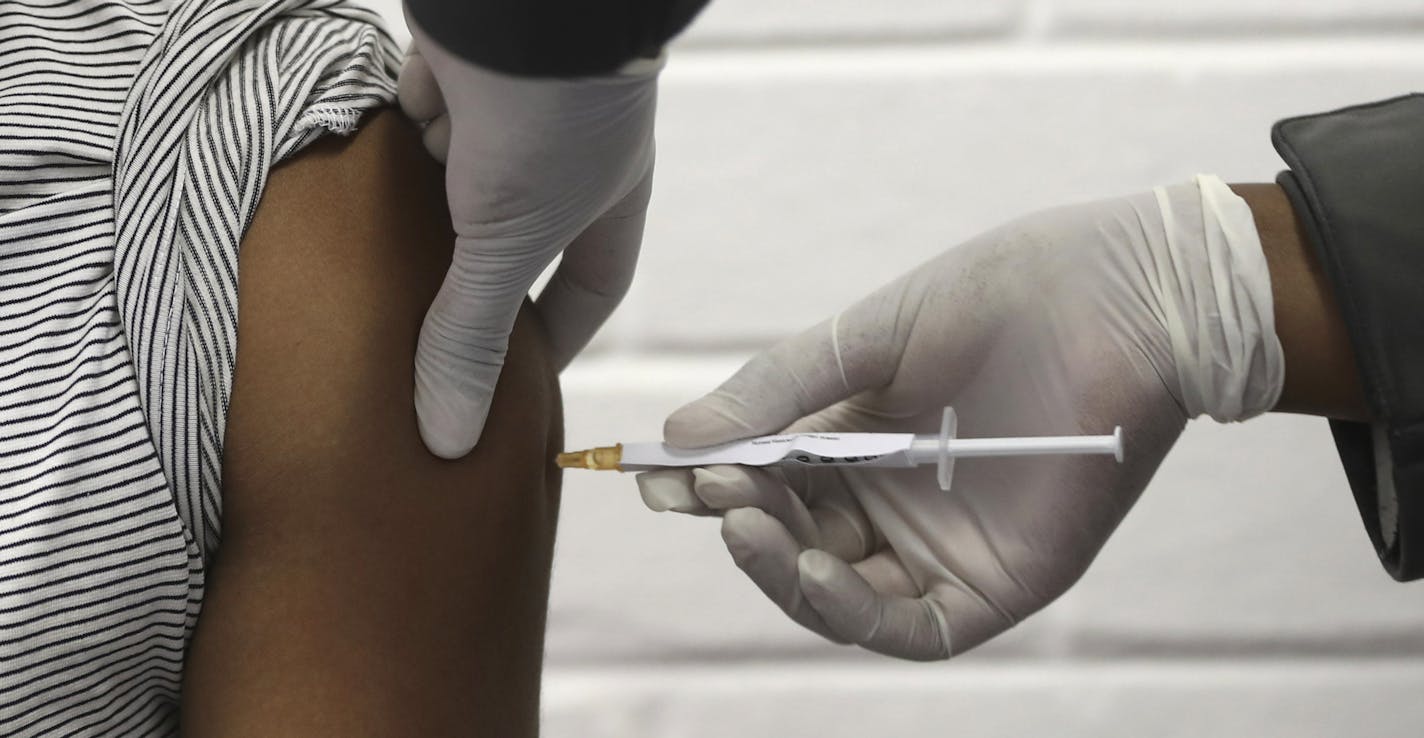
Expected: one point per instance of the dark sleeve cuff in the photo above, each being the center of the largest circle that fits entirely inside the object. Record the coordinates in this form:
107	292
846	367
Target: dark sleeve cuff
553	38
1356	180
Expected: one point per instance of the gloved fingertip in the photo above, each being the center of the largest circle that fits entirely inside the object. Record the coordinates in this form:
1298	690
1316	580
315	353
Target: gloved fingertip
723	487
450	430
740	528
817	567
714	486
446	439
667	490
842	597
735	522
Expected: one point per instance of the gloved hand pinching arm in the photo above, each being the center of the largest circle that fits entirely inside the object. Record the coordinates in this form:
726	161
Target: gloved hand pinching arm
1141	312
534	168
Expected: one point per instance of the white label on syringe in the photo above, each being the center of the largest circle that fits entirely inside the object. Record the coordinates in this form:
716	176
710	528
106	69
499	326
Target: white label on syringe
860	449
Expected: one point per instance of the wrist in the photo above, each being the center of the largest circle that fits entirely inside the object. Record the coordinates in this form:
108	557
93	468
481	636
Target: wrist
1207	269
1321	377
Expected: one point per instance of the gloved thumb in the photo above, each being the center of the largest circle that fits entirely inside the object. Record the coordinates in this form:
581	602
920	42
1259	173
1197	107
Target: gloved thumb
856	350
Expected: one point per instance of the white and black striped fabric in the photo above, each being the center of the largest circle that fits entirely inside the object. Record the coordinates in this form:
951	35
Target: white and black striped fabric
135	139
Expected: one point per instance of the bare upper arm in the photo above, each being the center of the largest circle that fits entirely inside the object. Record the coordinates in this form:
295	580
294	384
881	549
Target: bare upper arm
364	586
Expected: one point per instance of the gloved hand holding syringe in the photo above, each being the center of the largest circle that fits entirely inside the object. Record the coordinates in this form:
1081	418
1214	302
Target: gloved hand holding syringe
883	450
1141	312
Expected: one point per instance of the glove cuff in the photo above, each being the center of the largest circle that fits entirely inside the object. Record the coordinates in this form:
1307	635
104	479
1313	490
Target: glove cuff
1215	292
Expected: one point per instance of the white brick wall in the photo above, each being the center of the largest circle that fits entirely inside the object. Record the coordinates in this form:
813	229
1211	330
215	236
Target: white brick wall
810	150
781	168
1232	18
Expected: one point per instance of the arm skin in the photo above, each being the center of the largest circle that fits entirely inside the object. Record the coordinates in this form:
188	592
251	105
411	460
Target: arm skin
365	587
1321	376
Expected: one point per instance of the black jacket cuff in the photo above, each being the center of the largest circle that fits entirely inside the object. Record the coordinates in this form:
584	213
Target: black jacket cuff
553	38
1356	180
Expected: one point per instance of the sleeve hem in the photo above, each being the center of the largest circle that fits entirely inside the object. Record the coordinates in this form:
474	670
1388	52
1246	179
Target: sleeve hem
553	38
1355	181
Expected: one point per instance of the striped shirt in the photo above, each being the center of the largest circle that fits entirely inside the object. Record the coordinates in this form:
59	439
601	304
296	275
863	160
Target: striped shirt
135	139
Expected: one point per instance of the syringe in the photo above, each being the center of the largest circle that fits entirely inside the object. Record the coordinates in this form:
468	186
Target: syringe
889	450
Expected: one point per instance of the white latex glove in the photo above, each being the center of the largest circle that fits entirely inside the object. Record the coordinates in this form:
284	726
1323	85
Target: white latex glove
534	167
1141	312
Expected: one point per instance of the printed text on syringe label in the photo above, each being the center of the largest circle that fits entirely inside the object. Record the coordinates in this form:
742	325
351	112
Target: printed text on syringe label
783	440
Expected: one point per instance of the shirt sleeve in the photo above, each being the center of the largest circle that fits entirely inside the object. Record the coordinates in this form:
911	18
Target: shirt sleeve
553	38
1356	180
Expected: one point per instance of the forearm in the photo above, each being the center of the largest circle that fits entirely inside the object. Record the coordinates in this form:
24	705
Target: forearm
1321	375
